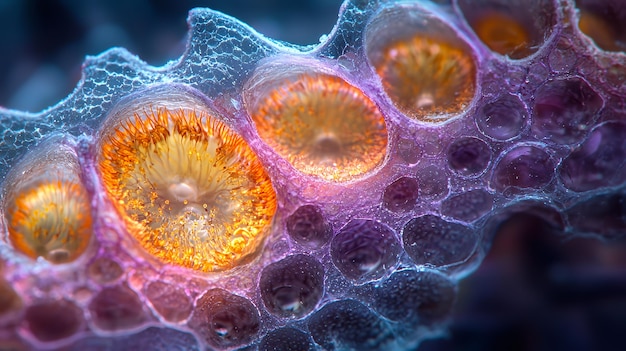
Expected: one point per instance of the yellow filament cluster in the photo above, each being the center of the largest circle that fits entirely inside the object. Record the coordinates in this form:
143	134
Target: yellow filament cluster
426	78
323	126
51	219
189	189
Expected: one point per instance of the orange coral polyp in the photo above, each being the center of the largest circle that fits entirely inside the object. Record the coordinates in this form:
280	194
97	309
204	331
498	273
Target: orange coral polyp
599	30
427	79
503	34
190	190
51	219
323	126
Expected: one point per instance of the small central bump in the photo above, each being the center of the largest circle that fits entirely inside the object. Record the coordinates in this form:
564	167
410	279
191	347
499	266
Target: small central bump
183	191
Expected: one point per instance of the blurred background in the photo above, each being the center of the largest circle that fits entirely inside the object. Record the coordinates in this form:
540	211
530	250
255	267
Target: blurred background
536	290
45	41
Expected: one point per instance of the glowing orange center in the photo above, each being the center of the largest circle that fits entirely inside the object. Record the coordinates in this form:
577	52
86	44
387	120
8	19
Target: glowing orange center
190	190
598	29
51	219
503	34
426	78
323	126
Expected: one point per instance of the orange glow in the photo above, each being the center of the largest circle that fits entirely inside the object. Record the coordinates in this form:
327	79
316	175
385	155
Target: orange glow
599	30
190	190
426	78
503	34
323	126
51	219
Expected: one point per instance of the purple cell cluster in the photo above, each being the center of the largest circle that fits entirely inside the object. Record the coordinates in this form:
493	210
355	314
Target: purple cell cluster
370	264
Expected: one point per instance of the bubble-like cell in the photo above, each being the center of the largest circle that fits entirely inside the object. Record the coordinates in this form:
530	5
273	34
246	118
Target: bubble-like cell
286	339
599	161
47	208
53	320
308	227
564	109
410	296
170	301
513	28
433	181
401	195
9	299
321	124
225	320
116	308
409	151
427	71
189	189
364	250
502	119
104	270
348	325
293	286
523	167
604	21
468	206
153	339
469	156
432	240
603	215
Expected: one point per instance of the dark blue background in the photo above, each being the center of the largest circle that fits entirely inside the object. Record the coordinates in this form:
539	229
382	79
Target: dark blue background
44	42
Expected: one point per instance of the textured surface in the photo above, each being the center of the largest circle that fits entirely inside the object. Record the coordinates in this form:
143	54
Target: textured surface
369	263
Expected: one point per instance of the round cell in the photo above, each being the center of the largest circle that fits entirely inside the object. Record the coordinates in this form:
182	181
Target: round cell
364	250
524	167
426	70
225	320
423	297
503	118
432	240
47	208
599	161
308	227
401	195
468	206
53	320
116	308
293	286
603	215
469	156
425	77
348	325
514	28
604	21
189	189
433	181
169	301
286	339
104	270
564	110
322	125
409	151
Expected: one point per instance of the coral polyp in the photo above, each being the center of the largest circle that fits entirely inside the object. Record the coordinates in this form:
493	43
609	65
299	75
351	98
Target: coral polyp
426	78
48	211
259	195
323	126
189	188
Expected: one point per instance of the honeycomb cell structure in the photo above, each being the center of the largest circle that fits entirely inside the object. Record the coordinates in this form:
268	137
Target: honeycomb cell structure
260	195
